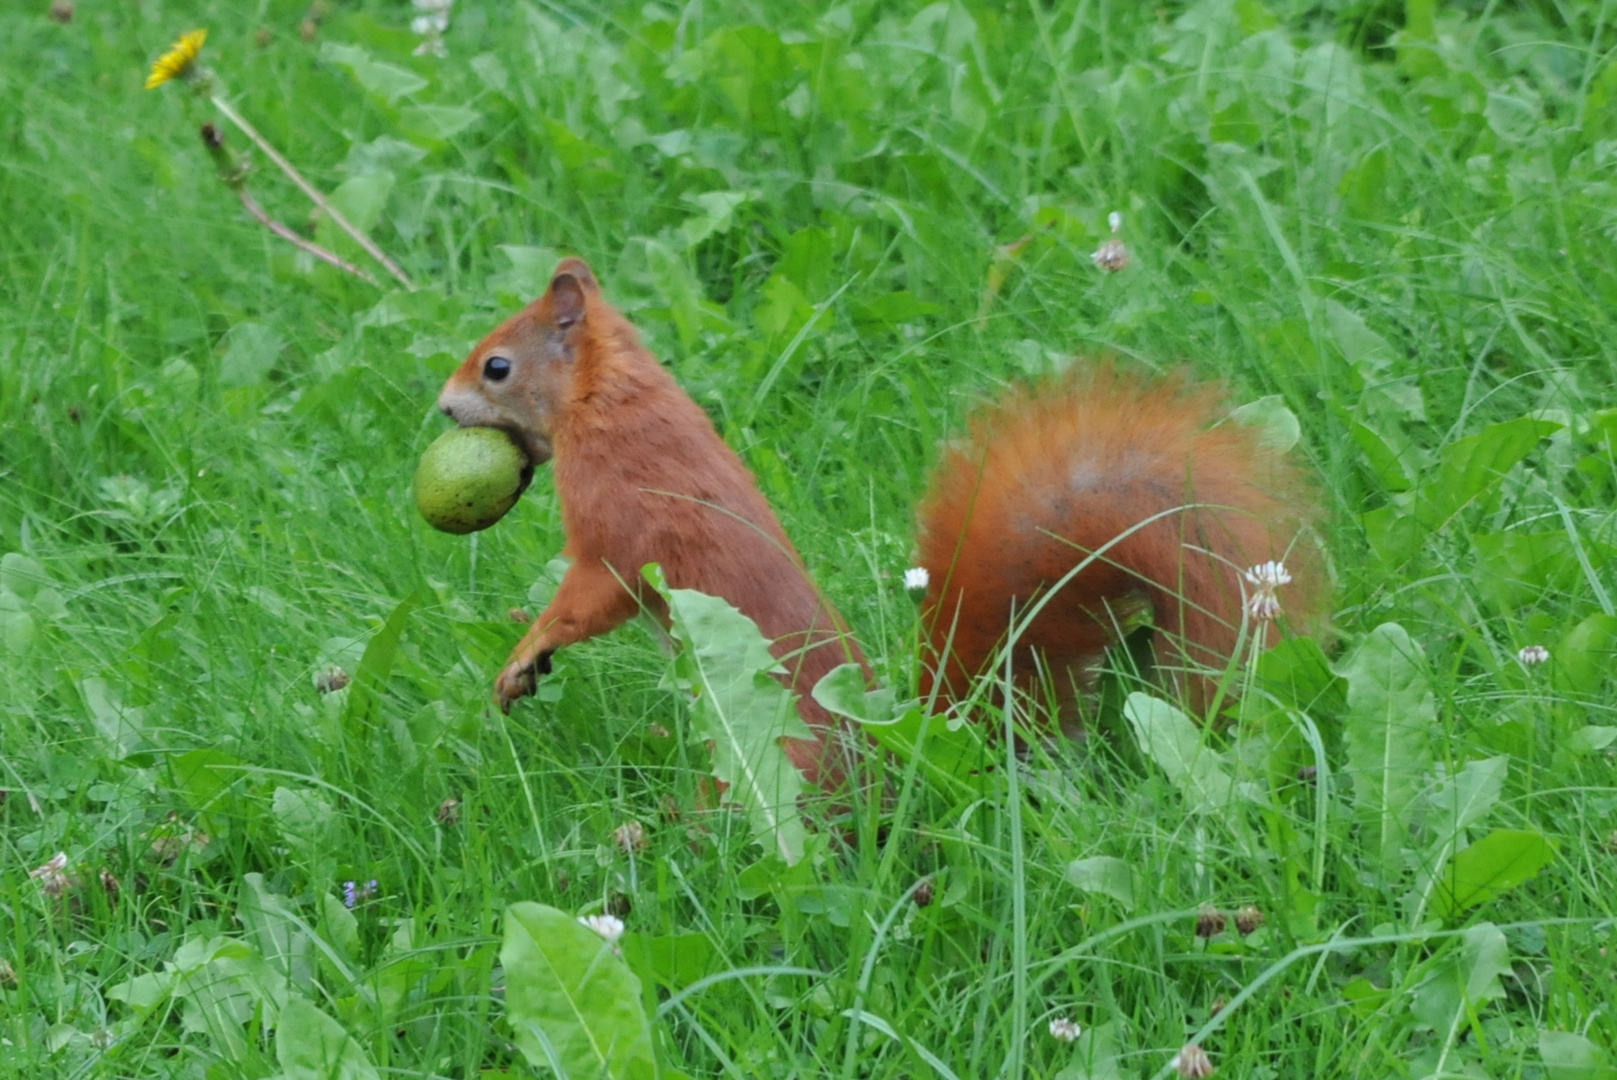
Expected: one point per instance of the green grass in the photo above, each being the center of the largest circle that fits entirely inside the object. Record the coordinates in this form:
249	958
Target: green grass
1398	220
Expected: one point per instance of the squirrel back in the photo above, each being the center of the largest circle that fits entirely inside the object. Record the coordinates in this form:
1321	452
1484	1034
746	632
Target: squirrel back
642	477
1140	474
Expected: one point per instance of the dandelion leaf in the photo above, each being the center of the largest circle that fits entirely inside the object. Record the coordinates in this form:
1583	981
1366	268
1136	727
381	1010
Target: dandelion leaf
309	1045
573	1005
1391	714
1493	865
1570	1056
1462	982
726	665
1169	738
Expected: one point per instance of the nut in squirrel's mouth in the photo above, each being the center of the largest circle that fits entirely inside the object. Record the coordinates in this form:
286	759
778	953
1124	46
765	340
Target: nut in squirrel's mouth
536	449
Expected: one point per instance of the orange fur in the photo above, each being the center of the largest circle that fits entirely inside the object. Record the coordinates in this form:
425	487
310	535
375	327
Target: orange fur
1055	472
643	477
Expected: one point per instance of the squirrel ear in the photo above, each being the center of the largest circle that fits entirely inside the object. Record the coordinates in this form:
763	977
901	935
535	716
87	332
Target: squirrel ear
579	269
566	299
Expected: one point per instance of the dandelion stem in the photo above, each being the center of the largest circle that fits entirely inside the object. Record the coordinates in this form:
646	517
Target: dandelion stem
286	233
311	191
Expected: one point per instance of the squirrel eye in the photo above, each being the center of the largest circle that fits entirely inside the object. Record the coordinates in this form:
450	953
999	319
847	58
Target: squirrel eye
496	368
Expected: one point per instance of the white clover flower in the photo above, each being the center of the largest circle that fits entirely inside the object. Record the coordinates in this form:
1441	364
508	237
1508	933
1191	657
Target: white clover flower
1269	575
630	837
1064	1029
1111	256
1263	605
1192	1063
1115	220
609	927
1533	655
52	877
916	578
431	26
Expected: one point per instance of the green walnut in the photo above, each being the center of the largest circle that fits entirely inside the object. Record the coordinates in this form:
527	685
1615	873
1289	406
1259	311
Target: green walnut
469	477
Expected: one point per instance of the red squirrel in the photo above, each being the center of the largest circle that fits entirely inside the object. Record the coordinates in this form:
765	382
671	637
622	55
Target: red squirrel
1045	477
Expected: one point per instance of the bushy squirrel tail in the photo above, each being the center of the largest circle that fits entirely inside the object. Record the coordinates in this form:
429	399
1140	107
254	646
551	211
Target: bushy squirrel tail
1167	498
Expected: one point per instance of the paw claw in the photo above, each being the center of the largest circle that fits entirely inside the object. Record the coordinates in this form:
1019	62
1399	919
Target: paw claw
518	680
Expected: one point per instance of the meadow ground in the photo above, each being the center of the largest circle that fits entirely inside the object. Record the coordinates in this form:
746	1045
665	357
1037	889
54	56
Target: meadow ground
840	227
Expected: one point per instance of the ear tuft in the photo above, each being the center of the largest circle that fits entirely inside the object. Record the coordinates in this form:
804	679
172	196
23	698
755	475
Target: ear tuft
567	299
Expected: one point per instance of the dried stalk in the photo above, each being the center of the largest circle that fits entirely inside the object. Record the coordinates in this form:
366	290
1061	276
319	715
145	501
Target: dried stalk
312	192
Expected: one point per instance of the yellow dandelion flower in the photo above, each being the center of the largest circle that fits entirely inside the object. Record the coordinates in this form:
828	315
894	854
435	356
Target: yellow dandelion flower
178	60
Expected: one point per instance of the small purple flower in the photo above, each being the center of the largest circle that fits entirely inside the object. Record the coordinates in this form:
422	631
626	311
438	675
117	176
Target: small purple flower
352	894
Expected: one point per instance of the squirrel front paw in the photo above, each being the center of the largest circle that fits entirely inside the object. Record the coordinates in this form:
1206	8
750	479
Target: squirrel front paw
519	679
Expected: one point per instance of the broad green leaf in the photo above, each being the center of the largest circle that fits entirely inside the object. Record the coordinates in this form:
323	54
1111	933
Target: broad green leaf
784	309
1462	800
305	819
341	927
891	310
947	756
1475	463
252	351
276	930
309	1045
672	960
223	984
573	1005
529	275
1516	567
206	778
1493	865
437	122
21	576
1390	471
743	712
843	692
1106	875
387	81
1570	1056
1390	719
1276	425
361	200
1454	804
1361	346
382	154
772	873
1298	673
1168	737
121	726
1395	536
1364	186
1463	981
715	214
573	151
1591	739
16	624
198	952
365	693
404	963
1585	658
144	992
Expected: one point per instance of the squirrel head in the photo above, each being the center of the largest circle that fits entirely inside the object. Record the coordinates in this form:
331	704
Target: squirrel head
520	377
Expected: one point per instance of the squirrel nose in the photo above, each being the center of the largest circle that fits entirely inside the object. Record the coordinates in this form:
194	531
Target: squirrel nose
447	409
